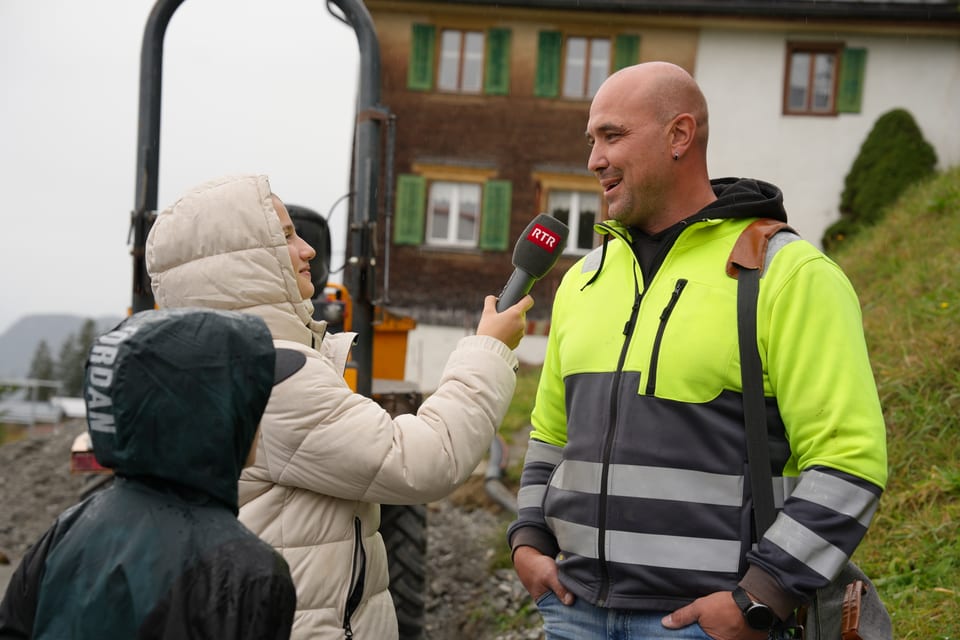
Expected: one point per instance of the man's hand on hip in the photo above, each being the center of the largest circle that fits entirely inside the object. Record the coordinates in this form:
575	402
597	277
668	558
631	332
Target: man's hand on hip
718	615
538	573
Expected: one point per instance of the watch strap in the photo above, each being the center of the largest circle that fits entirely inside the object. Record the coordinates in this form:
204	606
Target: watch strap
742	599
758	615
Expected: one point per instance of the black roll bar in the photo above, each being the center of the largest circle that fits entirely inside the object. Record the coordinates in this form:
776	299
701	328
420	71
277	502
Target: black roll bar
366	167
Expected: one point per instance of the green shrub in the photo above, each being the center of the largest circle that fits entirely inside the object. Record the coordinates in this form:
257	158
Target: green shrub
894	156
839	233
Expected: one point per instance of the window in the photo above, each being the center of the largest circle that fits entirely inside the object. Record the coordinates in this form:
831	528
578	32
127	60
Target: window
579	210
823	79
574	67
575	199
461	61
445	206
453	211
467	61
586	66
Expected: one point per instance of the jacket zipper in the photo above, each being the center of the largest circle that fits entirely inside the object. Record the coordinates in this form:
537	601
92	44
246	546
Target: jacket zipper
608	445
358	570
664	316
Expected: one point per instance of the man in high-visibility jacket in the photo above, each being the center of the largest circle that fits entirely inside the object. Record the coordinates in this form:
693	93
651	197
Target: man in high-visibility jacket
635	502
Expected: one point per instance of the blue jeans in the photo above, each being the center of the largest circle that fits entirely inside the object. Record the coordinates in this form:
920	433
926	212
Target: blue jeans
582	620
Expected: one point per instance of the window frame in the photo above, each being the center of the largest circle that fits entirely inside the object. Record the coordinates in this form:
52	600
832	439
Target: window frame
587	65
552	51
813	49
452	239
574	220
486	238
461	60
549	181
491	63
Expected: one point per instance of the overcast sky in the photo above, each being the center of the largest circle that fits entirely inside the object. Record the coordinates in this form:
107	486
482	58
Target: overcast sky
260	86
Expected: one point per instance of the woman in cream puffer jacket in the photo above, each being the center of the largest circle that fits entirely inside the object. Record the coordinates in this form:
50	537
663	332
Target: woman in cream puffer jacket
327	457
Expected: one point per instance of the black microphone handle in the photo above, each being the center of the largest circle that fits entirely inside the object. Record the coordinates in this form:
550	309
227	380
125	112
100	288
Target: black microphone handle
517	286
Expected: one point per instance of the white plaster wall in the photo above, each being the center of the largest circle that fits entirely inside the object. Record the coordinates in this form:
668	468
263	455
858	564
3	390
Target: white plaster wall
808	157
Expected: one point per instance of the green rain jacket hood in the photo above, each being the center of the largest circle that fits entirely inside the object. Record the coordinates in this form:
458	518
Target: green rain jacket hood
174	398
160	406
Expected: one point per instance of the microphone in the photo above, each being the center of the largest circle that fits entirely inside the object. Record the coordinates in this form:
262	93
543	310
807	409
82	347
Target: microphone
535	253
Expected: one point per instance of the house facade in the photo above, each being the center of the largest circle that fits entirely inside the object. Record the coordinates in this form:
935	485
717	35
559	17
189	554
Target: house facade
491	99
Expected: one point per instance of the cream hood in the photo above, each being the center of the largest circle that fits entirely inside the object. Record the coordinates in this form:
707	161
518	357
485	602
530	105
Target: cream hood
221	246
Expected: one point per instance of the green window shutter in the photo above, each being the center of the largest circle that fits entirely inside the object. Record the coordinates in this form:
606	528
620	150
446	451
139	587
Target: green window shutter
410	204
420	71
853	65
497	80
626	51
495	225
549	48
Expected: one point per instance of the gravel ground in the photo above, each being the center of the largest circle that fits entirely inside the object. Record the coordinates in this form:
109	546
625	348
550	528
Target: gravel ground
465	599
35	486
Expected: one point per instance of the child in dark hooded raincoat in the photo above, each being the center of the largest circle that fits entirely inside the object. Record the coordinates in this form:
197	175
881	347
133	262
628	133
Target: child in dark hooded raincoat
174	400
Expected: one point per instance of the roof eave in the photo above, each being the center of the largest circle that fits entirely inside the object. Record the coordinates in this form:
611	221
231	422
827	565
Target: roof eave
928	12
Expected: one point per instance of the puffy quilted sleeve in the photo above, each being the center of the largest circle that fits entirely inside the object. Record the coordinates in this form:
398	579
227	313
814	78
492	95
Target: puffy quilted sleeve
321	436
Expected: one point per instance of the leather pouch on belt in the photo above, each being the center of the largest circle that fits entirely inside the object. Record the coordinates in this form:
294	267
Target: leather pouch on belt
850	620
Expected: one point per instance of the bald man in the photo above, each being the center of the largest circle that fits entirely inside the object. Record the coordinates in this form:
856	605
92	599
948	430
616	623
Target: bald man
635	508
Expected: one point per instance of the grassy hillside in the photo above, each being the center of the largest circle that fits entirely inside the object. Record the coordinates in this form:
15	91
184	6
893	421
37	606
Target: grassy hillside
907	273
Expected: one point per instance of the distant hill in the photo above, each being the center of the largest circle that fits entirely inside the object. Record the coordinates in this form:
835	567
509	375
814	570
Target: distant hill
19	342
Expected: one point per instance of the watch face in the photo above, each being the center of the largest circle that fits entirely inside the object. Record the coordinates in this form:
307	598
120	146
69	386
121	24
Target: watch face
759	616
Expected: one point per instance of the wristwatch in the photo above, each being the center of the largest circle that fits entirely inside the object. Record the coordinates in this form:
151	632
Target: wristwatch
758	615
